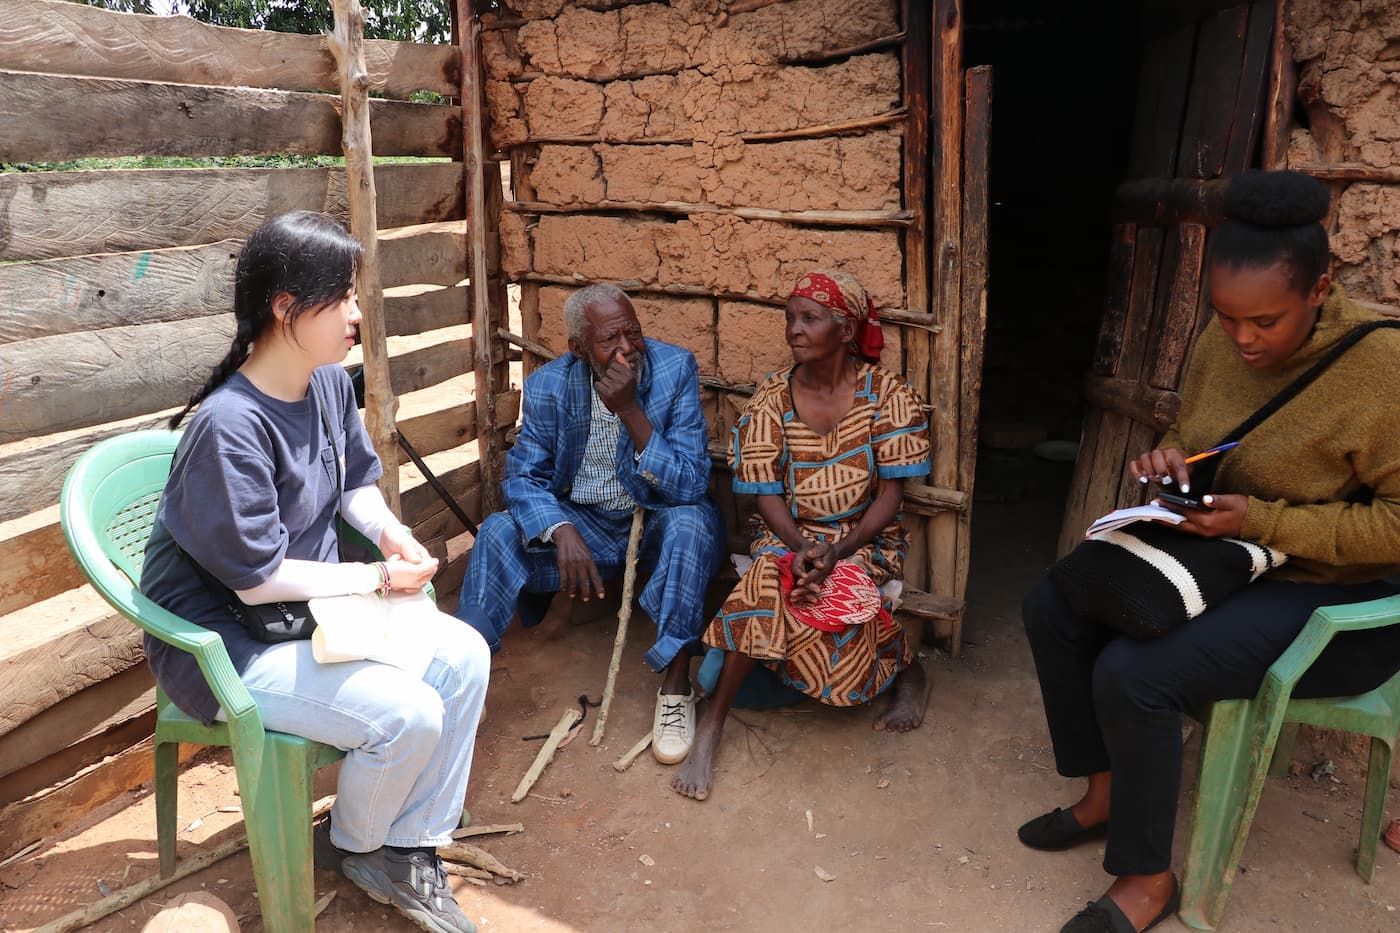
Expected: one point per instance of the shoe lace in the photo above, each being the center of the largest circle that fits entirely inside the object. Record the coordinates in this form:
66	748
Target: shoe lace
672	717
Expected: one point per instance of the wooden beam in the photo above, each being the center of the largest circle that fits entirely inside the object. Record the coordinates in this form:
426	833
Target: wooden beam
1349	171
55	648
473	164
50	215
946	237
818	218
916	18
90	293
346	42
1156	408
83	715
35	562
53	117
1166	202
26	821
807	132
976	216
65	38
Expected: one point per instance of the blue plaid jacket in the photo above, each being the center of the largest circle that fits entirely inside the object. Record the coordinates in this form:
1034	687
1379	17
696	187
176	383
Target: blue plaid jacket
555	412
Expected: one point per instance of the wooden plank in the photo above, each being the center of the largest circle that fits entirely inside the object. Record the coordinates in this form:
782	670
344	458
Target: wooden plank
1349	171
946	236
1137	324
1251	105
1165	202
64	38
1215	87
1144	404
916	18
53	117
29	820
426	366
53	649
75	380
83	715
49	215
420	501
1121	256
1077	506
433	254
89	293
972	310
32	472
416	309
65	762
1161	102
821	218
35	562
1279	98
1177	328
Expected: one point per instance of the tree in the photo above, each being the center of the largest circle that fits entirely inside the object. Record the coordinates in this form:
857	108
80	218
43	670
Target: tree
405	20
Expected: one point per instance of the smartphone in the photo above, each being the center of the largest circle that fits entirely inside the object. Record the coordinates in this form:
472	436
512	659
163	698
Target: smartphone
1185	502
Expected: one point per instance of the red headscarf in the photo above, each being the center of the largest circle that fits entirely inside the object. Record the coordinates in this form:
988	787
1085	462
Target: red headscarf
846	296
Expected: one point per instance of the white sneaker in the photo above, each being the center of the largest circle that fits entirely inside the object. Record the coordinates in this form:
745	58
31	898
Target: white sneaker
673	727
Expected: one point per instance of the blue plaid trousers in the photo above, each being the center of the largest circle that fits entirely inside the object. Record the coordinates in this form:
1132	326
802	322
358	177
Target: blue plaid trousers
681	548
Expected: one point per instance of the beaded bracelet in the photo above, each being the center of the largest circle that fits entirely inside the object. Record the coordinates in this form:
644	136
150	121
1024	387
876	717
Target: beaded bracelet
382	569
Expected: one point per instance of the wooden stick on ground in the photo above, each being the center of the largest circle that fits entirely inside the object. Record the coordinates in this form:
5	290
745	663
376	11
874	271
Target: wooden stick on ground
551	744
127	896
479	858
509	828
624	614
625	762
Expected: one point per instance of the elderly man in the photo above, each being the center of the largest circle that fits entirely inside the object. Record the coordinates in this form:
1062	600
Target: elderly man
614	424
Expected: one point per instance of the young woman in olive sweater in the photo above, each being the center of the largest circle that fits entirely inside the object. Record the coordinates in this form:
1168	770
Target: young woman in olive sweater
1319	480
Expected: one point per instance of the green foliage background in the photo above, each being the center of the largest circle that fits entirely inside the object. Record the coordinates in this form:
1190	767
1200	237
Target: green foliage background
405	20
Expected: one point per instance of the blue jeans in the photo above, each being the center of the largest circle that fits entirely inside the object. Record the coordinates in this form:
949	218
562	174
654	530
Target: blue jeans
408	741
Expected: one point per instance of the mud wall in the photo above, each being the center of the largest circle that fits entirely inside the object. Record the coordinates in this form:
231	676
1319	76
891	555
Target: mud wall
679	150
1348	56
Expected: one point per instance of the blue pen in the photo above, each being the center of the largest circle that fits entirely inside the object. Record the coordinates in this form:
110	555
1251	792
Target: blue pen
1212	452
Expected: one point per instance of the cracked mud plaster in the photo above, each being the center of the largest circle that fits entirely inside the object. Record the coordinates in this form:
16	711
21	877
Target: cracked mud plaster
1348	56
710	109
686	322
752	344
716	252
654	37
839	173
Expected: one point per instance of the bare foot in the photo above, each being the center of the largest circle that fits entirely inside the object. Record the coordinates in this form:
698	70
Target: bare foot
907	705
693	777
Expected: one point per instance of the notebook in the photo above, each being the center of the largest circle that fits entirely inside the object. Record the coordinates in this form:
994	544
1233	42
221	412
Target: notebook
373	628
1138	513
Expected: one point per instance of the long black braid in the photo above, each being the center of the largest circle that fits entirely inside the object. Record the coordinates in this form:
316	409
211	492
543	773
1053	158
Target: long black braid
302	254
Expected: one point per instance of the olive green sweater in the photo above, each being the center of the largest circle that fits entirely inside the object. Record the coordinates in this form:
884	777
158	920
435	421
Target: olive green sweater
1305	468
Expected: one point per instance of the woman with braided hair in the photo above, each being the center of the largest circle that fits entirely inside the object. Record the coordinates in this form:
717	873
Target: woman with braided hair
825	447
1318	480
274	452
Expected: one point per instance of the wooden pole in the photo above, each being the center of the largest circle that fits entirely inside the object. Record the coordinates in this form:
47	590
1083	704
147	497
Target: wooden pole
625	762
815	217
474	167
973	309
806	132
944	377
551	745
624	615
918	348
1283	87
346	42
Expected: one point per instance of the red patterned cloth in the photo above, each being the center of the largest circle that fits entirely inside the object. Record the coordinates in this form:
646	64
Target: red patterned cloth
846	296
848	597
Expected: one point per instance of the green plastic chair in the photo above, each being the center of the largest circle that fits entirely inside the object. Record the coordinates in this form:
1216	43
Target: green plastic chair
1242	738
107	511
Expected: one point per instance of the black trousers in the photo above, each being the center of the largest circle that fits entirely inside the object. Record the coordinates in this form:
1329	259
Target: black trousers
1115	704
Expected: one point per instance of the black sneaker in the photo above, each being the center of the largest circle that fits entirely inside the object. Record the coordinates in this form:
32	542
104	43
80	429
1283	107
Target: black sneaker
413	883
325	854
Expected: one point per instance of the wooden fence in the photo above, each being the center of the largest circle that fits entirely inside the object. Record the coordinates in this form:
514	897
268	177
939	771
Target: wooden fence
115	299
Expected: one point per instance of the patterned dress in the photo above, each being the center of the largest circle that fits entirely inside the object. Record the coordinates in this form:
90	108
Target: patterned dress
828	481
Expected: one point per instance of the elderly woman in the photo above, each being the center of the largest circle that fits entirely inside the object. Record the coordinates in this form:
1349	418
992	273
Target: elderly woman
825	447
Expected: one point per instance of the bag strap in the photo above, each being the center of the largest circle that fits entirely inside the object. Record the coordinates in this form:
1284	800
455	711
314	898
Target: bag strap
1288	392
330	438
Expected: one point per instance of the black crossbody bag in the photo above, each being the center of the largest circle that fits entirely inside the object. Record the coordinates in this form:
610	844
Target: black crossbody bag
283	621
1147	578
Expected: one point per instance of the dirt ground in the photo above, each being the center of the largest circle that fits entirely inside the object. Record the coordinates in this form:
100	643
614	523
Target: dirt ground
917	830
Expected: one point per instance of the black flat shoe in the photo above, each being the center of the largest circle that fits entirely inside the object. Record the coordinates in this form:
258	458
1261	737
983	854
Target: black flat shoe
1058	830
1103	916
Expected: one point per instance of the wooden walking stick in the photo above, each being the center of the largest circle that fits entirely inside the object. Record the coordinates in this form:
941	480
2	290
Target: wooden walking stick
624	614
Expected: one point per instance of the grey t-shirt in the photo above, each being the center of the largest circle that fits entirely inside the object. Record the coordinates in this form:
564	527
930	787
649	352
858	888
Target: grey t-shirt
253	481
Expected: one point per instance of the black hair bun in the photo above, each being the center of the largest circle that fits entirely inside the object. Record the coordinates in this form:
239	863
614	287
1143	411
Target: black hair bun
1275	199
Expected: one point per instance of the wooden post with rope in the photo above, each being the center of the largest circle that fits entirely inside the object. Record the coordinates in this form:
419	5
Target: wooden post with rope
624	615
